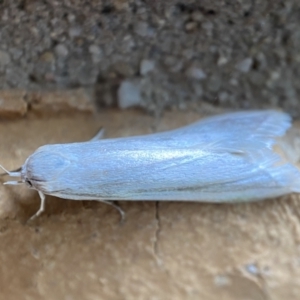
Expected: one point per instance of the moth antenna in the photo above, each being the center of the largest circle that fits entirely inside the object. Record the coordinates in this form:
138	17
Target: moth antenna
15	173
17	170
13	182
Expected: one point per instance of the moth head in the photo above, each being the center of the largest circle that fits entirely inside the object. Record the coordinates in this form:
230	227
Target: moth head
15	173
23	179
39	170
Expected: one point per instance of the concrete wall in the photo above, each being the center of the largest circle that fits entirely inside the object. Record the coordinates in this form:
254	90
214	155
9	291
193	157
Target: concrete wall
239	54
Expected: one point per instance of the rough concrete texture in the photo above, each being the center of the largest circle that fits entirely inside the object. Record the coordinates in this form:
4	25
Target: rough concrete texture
79	250
17	103
196	57
229	53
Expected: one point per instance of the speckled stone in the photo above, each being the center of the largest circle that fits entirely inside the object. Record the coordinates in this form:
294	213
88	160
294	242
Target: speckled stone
239	48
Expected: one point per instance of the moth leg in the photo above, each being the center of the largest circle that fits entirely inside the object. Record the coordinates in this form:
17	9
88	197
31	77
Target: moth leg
99	135
42	206
117	207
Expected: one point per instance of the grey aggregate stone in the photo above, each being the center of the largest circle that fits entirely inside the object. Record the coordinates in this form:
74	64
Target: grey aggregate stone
4	58
129	93
239	54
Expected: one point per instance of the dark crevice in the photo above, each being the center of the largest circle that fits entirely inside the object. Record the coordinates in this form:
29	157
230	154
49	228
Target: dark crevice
158	229
33	78
107	9
190	8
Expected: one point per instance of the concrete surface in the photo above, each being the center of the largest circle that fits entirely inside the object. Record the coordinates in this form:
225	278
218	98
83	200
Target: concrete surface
194	58
239	53
79	250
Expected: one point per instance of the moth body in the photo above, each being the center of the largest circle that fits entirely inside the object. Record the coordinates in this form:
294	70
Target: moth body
226	158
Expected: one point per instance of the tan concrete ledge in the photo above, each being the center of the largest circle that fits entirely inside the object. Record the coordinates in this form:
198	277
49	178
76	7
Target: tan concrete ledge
79	250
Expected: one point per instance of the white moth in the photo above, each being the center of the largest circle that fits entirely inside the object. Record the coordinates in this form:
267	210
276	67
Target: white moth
225	158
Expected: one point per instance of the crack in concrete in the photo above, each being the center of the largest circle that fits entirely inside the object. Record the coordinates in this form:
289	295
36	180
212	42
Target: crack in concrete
157	233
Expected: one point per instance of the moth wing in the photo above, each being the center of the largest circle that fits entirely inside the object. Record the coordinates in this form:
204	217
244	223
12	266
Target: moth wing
237	154
234	130
230	132
223	158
